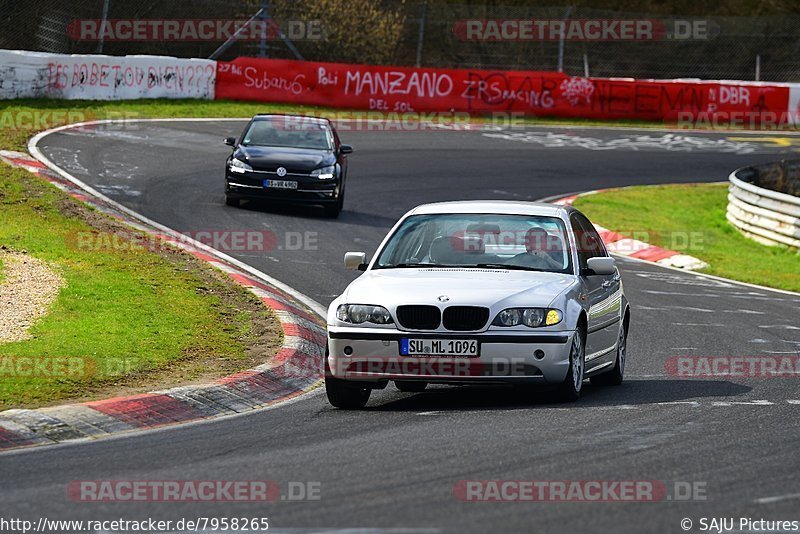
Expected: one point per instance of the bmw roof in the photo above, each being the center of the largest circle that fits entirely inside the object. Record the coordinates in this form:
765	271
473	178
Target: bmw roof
510	207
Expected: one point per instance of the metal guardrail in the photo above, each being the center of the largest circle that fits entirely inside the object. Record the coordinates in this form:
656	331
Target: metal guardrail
760	204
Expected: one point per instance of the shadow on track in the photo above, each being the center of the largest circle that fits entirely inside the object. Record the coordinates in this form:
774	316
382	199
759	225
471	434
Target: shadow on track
310	211
631	393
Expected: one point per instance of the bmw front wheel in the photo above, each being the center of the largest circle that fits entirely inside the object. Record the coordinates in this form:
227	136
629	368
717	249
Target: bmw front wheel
614	376
570	389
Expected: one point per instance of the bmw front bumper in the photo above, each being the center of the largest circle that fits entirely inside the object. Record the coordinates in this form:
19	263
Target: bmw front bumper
373	355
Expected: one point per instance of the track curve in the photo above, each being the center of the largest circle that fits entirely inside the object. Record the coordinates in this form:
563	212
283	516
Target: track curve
396	464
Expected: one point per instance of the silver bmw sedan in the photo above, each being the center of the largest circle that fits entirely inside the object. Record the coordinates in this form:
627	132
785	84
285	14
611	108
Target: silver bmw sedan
479	292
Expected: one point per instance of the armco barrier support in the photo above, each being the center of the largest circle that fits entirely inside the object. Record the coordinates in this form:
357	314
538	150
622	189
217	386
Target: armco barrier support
95	77
759	204
408	89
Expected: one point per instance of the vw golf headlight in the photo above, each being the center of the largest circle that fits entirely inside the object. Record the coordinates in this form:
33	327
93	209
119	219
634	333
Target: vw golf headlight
530	317
239	166
360	313
324	173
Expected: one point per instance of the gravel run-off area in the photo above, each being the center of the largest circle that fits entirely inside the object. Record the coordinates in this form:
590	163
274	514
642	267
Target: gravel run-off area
28	289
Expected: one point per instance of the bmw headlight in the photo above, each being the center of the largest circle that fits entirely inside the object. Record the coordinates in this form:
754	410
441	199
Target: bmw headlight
530	317
239	166
360	313
324	173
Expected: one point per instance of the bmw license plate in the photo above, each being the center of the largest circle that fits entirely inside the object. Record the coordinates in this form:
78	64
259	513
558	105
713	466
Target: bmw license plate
464	348
280	184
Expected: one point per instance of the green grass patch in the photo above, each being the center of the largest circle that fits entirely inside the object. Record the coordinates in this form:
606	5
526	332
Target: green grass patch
691	219
129	318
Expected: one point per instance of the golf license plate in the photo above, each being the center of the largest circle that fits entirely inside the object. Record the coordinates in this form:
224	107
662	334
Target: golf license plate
280	184
463	348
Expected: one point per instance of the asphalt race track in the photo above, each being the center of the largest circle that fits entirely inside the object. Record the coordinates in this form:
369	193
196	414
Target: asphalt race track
395	464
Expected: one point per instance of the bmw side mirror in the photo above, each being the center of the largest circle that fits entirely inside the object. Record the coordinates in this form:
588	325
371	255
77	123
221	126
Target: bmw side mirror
345	149
230	141
601	266
355	261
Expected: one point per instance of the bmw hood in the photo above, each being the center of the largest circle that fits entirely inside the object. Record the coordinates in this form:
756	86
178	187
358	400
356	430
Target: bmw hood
494	289
292	159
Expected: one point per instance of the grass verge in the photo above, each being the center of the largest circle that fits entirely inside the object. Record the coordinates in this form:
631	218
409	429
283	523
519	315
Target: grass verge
691	219
130	319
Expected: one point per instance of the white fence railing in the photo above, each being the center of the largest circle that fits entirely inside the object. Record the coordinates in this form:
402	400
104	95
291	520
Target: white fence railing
765	215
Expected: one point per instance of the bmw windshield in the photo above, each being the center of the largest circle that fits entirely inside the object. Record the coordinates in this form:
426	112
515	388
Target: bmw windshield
514	242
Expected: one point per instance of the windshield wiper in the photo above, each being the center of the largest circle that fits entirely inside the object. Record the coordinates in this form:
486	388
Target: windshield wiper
408	265
509	267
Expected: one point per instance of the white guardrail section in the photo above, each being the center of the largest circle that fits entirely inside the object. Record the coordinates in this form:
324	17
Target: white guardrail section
764	215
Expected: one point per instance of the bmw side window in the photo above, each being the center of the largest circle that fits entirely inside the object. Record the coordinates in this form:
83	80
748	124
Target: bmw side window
580	242
594	243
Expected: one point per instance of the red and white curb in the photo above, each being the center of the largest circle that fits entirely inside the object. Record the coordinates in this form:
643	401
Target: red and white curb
634	248
296	369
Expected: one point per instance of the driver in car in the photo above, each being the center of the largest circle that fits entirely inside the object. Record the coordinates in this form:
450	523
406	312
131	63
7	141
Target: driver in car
540	249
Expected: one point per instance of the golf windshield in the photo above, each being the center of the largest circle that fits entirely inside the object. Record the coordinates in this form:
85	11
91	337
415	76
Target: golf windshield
289	132
515	242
